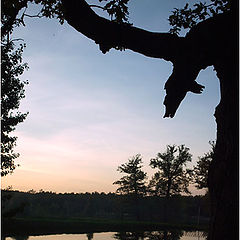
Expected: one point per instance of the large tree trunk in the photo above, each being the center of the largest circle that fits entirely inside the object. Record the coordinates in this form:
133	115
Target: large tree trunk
223	174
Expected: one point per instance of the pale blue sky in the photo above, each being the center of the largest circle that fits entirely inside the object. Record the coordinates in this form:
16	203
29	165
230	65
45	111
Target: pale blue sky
90	112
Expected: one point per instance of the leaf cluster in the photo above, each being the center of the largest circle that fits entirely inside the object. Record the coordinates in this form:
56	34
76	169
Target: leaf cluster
15	11
117	10
187	17
51	9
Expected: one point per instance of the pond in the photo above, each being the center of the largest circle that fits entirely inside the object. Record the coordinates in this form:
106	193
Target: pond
153	235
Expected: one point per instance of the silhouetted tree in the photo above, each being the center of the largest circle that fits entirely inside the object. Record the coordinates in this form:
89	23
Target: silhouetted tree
133	183
9	206
172	176
12	88
12	91
211	41
202	167
134	180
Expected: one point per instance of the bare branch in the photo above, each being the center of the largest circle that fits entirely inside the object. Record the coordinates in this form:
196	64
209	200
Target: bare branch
33	16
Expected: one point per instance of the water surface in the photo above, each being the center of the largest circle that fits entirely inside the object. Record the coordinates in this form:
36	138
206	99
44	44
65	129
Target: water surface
153	235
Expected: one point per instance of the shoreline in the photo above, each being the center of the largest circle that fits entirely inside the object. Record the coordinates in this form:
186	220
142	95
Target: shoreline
47	226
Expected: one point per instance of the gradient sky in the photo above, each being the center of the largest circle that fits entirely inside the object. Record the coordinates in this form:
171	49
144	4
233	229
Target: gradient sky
90	112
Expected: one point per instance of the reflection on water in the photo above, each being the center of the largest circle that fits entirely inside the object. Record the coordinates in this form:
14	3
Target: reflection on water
156	235
153	235
89	236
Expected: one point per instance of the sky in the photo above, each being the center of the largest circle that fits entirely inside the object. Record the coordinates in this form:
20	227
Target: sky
90	112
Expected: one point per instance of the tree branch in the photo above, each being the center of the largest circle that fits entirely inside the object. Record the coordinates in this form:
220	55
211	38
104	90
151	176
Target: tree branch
33	16
110	34
199	49
11	10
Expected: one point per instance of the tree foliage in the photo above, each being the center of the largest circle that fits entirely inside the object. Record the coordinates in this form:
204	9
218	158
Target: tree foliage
187	17
172	177
134	180
12	67
96	205
117	10
202	167
12	93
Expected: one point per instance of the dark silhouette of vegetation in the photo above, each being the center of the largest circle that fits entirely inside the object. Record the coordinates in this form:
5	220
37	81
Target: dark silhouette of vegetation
13	13
47	204
48	212
172	177
211	41
12	91
133	184
202	167
134	180
188	16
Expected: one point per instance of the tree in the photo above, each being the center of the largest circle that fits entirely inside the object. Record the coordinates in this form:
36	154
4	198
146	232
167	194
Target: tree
12	88
134	182
202	167
12	93
172	177
211	41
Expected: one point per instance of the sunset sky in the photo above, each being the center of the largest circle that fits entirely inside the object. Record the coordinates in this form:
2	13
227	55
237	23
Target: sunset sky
90	112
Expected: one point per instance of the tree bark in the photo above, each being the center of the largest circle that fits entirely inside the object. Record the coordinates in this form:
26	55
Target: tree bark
224	170
211	42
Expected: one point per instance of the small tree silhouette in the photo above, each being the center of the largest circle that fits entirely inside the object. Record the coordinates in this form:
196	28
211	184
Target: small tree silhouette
133	183
202	167
171	178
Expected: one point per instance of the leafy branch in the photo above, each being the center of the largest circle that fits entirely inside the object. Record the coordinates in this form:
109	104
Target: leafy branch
188	17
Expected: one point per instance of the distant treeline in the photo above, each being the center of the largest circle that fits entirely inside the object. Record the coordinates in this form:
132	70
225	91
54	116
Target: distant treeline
181	209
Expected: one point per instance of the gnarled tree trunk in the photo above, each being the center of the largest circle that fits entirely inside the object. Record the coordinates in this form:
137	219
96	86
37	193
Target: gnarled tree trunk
224	170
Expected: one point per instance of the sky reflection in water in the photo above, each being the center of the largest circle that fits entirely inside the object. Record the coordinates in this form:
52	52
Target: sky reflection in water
156	235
